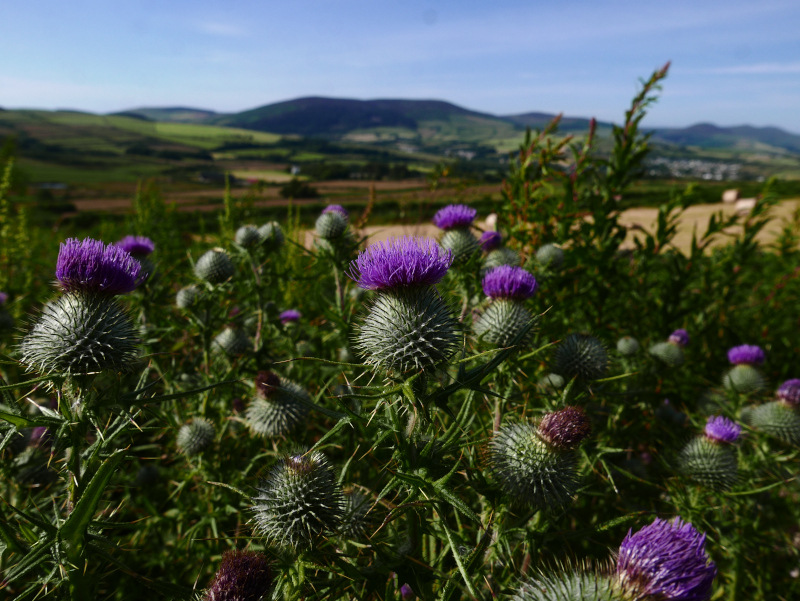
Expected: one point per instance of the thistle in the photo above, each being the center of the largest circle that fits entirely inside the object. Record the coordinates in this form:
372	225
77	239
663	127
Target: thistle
456	221
551	383
550	257
290	316
709	459
272	237
278	406
506	316
331	225
214	267
248	236
780	419
233	342
743	377
565	584
679	337
409	325
789	393
500	256
628	346
85	330
490	241
195	436
671	351
298	502
537	466
581	356
188	297
665	560
339	209
242	576
356	522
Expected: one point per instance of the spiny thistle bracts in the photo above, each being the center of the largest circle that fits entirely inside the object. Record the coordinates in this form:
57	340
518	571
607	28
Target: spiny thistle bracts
550	256
500	256
233	342
242	576
462	242
356	523
195	436
214	267
272	237
137	246
744	379
278	407
789	392
490	241
665	560
581	356
567	584
331	225
627	346
530	471
188	297
776	419
746	354
709	463
248	236
566	428
80	333
668	352
400	263
408	328
90	266
336	209
299	502
501	322
454	217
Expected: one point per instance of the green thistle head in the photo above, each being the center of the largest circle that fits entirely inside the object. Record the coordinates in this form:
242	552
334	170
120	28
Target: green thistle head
501	256
668	352
272	236
233	342
277	408
550	256
214	267
356	522
195	436
502	320
711	464
331	225
744	379
248	236
581	356
462	242
776	419
628	346
299	502
568	584
188	297
80	333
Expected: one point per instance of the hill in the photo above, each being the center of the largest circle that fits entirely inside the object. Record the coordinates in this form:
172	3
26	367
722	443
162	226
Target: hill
176	114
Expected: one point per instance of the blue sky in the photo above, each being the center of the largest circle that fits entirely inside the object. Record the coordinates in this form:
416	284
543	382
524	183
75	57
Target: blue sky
734	62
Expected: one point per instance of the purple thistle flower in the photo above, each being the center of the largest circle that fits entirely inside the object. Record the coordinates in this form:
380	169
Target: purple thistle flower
242	576
679	337
407	593
3	298
454	216
138	246
566	428
789	392
509	282
336	209
91	266
490	240
747	354
267	383
666	560
399	262
721	429
289	316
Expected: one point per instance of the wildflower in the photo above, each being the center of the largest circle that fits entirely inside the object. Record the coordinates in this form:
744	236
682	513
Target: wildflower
214	267
581	356
90	266
248	236
566	428
454	217
627	346
336	209
506	316
679	337
490	241
272	237
242	576
456	220
195	436
137	246
746	354
789	392
401	262
709	460
290	316
278	407
743	377
721	429
550	256
665	560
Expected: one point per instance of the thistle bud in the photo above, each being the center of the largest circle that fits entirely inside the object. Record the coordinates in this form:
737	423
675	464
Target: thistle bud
409	325
531	471
195	436
188	297
550	256
214	267
709	460
566	428
290	316
272	236
356	522
789	393
233	342
743	377
80	333
777	419
242	576
665	560
278	407
331	225
628	346
551	383
456	221
679	337
298	502
581	356
248	236
500	256
567	585
506	316
339	209
668	352
491	241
